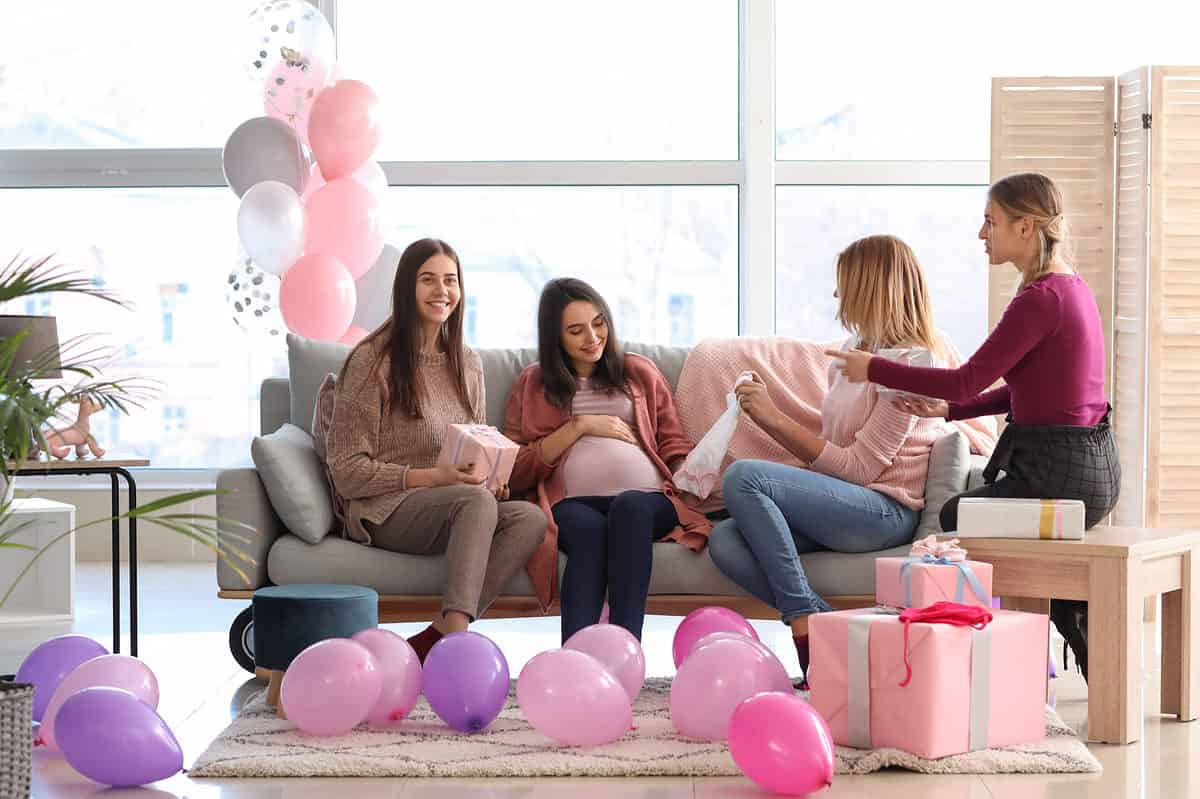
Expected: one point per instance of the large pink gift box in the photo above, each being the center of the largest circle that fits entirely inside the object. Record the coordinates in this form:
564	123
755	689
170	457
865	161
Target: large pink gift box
970	689
492	453
919	583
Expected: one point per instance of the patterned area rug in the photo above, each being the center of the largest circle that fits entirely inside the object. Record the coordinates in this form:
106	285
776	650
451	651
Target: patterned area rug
257	744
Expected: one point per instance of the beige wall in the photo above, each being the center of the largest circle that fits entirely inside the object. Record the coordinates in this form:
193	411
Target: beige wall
154	543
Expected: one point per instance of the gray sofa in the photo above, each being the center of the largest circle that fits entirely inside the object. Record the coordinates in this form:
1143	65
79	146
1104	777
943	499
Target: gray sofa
410	585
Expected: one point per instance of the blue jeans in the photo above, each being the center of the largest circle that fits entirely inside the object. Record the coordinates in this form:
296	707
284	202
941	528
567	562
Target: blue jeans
609	543
780	512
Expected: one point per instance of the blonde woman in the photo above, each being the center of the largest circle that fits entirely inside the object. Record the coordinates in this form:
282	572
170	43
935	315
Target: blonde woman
864	487
1049	349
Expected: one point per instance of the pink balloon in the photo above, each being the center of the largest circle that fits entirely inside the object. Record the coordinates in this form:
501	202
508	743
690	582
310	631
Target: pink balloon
344	127
331	687
317	298
399	674
291	89
354	335
782	743
570	697
315	181
759	645
617	650
342	220
106	671
715	679
701	622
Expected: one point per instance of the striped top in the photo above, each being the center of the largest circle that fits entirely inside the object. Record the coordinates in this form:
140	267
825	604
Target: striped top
597	466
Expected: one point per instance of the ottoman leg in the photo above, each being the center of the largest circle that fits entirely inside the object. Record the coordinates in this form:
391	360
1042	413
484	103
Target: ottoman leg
273	688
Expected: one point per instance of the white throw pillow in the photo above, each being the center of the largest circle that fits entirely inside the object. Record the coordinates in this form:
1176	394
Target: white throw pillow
295	482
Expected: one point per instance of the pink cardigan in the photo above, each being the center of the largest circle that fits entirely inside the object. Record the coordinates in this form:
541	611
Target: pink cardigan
531	417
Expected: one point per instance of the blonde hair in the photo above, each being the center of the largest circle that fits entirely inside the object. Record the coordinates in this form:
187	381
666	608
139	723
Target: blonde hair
1034	196
882	296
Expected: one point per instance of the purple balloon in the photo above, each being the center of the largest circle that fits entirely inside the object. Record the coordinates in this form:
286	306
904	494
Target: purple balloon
465	679
110	736
51	661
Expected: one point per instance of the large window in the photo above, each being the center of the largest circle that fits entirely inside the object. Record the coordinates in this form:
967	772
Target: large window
702	162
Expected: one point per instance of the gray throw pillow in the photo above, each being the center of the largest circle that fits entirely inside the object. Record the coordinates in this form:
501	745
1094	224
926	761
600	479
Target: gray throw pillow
949	465
295	482
309	361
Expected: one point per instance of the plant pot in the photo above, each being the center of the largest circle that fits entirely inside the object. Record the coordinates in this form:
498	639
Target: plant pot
16	737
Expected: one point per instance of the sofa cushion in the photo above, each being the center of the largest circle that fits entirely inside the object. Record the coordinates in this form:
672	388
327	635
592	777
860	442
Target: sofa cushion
500	370
949	467
309	361
669	359
295	481
677	570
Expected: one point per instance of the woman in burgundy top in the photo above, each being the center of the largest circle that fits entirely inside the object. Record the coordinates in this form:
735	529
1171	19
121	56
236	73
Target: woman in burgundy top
600	438
1049	349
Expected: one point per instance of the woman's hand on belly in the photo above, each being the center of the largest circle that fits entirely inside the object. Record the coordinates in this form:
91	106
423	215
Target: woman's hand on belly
606	427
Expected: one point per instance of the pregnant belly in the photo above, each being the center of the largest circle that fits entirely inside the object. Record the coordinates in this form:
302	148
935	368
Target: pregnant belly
604	467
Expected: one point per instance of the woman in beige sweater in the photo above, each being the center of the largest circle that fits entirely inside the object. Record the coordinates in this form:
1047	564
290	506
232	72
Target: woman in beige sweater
397	392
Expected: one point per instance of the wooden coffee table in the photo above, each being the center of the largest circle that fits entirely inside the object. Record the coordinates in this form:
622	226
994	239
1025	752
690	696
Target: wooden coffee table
1114	569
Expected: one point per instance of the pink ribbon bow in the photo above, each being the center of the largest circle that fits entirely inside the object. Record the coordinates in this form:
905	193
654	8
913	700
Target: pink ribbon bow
930	545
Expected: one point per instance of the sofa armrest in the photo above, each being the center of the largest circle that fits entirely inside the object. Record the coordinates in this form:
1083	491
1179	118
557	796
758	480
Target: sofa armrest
975	476
247	503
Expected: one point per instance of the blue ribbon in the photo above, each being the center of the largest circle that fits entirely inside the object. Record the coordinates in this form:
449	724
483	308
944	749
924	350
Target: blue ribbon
965	576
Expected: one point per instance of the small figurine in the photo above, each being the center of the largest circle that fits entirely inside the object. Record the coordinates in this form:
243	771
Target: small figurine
78	435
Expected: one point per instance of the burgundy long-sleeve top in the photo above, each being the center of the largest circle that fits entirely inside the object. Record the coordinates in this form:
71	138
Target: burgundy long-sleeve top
1049	348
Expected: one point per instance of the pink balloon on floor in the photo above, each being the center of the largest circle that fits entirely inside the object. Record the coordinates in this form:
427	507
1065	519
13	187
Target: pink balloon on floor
399	672
715	679
354	335
701	622
106	671
782	743
619	652
317	298
571	697
342	220
331	687
344	127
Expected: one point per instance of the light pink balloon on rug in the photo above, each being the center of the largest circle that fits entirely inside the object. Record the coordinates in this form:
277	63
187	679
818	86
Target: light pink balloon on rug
702	621
106	671
715	679
399	672
571	697
619	652
330	687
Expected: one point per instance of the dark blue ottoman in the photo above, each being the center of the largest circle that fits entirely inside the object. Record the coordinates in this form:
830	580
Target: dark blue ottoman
290	618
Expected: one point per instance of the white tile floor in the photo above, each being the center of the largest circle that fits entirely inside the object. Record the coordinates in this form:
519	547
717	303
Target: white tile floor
184	639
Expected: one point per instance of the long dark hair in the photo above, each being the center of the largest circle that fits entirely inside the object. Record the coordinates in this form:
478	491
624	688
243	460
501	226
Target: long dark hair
402	333
558	373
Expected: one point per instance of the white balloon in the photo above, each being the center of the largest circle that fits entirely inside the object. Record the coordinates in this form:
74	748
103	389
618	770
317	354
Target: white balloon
375	290
270	224
370	175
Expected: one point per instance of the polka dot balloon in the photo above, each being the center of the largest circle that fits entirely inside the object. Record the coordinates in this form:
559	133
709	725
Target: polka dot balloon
252	297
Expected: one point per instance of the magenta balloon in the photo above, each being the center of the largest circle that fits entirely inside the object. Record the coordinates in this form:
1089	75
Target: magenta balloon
50	662
110	736
782	743
107	671
342	219
569	696
617	650
703	621
330	687
316	298
465	680
399	674
344	128
715	679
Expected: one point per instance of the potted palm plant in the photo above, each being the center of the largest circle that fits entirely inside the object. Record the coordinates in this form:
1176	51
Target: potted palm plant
27	410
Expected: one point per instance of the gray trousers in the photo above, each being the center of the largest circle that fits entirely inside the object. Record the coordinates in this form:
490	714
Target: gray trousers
486	542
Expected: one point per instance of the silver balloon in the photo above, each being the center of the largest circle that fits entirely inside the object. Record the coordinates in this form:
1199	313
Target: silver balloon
252	297
375	290
261	149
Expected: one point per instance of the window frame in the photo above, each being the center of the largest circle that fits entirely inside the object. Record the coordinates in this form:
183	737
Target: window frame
756	173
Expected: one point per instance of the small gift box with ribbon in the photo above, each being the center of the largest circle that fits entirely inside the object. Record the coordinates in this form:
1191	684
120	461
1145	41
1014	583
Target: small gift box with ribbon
934	571
930	688
1046	519
492	453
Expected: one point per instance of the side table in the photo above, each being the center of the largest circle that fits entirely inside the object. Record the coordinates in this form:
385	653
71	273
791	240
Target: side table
114	468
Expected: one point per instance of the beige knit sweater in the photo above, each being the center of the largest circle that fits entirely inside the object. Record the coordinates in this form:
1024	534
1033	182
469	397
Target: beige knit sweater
370	449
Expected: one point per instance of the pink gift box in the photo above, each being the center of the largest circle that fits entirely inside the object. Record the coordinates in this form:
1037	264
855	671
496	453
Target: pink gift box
926	583
970	689
485	446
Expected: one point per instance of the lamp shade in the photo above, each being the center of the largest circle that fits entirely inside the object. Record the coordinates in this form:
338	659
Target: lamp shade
40	344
